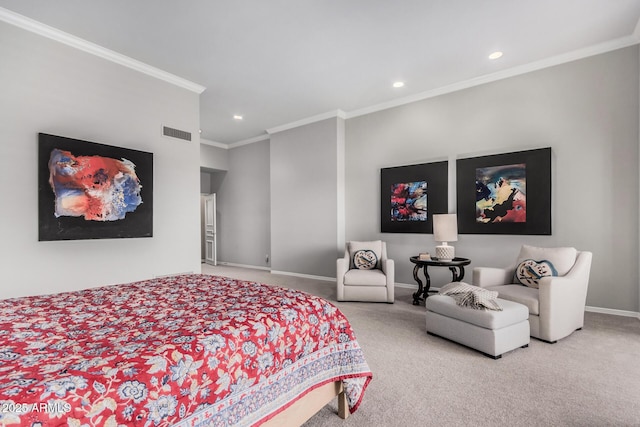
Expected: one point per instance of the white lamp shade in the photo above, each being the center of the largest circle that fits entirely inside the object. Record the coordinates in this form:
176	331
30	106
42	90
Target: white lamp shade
445	228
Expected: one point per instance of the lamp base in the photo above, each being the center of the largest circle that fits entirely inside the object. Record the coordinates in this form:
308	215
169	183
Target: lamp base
445	252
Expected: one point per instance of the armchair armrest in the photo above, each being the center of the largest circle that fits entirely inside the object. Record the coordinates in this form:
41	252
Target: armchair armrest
342	266
562	299
570	288
388	268
489	276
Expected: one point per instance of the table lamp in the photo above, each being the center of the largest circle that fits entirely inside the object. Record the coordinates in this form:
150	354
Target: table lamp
445	229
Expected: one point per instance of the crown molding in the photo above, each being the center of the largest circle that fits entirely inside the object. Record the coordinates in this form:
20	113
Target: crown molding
249	141
328	115
52	33
214	143
511	72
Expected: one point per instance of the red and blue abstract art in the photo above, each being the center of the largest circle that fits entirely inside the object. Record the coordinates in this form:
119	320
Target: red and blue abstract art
94	187
409	201
410	195
92	191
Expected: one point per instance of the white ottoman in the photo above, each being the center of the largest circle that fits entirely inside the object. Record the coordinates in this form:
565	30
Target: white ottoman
491	332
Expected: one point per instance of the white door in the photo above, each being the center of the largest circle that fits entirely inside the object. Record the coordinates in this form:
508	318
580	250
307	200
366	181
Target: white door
210	229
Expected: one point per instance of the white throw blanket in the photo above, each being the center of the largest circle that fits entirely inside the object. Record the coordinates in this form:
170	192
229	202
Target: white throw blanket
471	296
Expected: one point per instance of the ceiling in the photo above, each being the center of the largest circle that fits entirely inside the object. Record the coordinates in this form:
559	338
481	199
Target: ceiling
281	61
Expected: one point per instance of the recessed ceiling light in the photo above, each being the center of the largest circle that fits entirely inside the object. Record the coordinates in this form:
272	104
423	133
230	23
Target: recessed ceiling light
237	117
398	84
495	55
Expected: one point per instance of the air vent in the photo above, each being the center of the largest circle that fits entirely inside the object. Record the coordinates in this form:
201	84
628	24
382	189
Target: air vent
176	133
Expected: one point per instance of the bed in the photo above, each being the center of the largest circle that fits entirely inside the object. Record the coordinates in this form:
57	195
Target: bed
188	350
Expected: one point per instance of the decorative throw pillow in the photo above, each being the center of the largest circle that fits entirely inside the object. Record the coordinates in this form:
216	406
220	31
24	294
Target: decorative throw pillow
365	260
529	272
375	246
560	260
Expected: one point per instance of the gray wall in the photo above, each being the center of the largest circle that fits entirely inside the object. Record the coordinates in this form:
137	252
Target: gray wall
587	111
205	182
211	180
214	157
304	202
52	88
244	207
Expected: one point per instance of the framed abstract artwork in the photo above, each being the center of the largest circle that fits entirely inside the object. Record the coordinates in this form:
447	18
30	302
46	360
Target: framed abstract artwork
88	190
410	195
505	193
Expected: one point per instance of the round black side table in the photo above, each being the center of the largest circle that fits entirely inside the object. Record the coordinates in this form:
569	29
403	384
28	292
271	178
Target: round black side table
456	266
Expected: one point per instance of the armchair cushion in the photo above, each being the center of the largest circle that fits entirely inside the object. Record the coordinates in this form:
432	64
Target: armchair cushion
373	246
534	263
520	294
365	278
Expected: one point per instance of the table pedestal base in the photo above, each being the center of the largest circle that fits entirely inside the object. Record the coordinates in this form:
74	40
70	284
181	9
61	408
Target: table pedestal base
457	274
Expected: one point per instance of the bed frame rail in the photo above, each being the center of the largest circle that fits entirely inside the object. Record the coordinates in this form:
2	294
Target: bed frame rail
308	405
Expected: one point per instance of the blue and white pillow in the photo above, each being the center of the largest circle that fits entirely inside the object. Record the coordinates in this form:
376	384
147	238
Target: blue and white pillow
529	272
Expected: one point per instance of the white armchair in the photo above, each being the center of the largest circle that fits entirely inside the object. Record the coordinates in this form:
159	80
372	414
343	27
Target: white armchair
556	303
365	273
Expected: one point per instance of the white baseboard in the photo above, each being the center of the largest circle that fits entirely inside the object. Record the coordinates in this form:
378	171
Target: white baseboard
306	276
284	273
613	311
254	267
160	276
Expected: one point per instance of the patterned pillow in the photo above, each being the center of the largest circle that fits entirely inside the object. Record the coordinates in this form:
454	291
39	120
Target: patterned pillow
374	245
529	272
365	259
562	258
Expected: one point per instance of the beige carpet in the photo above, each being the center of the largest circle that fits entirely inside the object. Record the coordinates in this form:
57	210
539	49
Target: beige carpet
591	378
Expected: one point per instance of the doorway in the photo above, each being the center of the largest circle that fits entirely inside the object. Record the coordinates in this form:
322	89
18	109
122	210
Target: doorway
210	235
210	182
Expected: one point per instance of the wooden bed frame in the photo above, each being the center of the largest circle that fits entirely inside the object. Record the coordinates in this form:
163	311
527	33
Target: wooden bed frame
308	405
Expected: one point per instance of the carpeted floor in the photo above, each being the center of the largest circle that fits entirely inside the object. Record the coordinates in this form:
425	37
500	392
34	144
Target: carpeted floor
591	378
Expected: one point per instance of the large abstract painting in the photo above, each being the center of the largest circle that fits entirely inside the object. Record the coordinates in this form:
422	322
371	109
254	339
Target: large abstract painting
410	195
505	193
93	191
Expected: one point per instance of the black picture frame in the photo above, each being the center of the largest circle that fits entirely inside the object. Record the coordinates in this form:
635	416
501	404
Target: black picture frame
138	223
532	166
436	177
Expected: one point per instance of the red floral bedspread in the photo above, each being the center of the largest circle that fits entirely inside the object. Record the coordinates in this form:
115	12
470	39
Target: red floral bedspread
186	350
